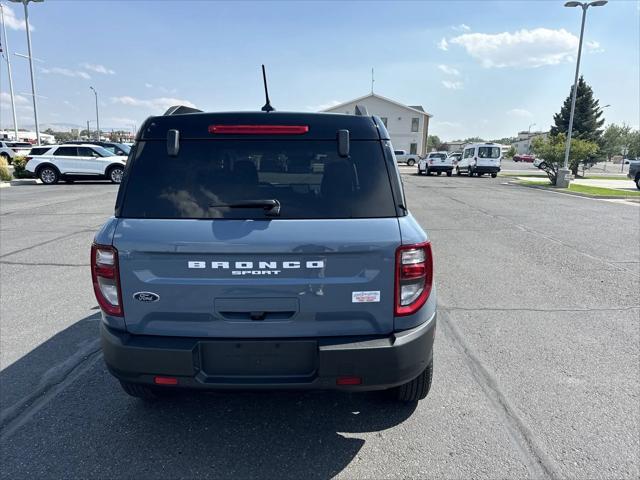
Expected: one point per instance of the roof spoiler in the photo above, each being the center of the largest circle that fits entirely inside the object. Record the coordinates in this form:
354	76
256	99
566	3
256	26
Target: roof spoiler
180	109
361	111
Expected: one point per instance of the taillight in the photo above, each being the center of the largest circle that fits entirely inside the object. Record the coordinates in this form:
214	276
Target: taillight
106	279
259	129
27	159
414	277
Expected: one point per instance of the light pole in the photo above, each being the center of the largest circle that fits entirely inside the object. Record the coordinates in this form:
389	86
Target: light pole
562	179
97	115
13	99
532	125
33	81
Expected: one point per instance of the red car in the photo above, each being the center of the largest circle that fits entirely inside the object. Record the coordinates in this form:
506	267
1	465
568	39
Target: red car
524	158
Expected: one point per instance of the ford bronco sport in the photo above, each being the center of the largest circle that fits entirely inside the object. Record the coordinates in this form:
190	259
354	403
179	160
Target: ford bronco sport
264	250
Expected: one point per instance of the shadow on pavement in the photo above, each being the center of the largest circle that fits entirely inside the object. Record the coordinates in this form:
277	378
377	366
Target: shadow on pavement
92	428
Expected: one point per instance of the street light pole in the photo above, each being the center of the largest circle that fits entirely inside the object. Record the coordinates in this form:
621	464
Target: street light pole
97	114
562	179
7	53
25	3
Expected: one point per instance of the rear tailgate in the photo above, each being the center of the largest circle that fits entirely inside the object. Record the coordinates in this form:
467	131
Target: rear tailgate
258	278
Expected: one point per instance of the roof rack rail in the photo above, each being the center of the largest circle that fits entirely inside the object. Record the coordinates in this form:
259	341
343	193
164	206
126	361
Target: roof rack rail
361	111
180	109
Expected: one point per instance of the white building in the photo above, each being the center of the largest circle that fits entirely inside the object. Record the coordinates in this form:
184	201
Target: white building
523	144
27	136
408	126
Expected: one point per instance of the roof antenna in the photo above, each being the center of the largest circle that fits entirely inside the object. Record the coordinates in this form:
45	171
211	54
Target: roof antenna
267	106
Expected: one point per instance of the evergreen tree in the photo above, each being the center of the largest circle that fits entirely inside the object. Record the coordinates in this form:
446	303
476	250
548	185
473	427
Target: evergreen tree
587	120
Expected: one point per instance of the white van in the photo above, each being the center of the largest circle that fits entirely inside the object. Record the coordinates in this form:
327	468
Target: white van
480	158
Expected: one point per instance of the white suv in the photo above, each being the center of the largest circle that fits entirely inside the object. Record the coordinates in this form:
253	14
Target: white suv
76	162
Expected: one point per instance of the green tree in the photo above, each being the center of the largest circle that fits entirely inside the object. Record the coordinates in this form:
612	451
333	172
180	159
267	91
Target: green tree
473	140
620	140
433	143
552	151
511	152
587	120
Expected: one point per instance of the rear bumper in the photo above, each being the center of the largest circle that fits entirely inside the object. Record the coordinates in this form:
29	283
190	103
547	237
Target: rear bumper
481	169
439	168
203	363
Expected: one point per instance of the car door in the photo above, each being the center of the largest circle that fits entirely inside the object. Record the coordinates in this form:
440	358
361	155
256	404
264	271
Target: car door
91	161
66	159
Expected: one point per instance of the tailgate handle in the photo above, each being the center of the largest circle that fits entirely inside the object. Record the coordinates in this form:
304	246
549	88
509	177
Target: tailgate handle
258	316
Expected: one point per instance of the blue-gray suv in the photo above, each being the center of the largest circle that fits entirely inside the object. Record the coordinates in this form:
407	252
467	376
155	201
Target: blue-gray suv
262	250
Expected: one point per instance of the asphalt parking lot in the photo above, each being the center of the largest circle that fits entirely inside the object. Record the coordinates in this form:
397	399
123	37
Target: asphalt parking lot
537	359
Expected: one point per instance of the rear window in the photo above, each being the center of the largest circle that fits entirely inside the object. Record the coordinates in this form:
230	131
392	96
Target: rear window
39	150
489	152
209	179
438	155
20	145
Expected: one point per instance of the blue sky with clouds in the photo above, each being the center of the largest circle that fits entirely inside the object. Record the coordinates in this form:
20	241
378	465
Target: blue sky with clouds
480	67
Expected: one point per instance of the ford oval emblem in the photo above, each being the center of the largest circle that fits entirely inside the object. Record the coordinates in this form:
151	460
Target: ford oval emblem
146	296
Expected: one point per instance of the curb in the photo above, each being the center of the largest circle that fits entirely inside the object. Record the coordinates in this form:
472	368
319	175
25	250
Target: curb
631	198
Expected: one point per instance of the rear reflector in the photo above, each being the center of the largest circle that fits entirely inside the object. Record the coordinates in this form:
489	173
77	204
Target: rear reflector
348	381
165	380
259	129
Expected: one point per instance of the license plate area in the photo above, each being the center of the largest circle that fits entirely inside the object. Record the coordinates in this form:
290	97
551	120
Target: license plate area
265	360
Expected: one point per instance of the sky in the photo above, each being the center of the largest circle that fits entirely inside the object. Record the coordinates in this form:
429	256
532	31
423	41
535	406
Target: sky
481	68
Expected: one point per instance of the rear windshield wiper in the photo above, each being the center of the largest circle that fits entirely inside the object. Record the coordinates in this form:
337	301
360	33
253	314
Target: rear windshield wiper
271	207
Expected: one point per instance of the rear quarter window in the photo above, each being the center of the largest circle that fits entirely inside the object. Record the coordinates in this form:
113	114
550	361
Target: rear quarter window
307	177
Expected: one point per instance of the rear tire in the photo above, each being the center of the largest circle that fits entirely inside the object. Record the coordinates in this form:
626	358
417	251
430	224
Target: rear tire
143	392
494	175
49	175
416	389
114	174
449	173
411	162
638	182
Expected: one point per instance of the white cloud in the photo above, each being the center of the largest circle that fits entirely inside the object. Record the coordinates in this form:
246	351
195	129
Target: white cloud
97	68
66	72
13	22
594	47
445	123
449	70
5	99
520	113
160	88
452	85
443	44
461	28
323	106
156	104
122	121
523	48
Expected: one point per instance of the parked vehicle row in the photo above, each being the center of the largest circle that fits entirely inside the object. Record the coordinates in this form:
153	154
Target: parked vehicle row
10	150
70	162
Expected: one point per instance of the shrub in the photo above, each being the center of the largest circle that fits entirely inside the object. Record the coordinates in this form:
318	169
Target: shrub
5	176
552	151
18	167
